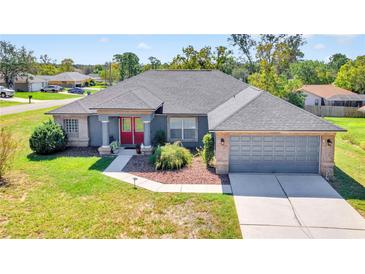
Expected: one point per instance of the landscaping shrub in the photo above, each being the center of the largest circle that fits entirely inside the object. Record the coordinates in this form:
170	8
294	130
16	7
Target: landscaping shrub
48	138
208	149
171	156
160	138
7	151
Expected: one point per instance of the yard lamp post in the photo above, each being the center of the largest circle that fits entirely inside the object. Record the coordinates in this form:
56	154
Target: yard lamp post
134	182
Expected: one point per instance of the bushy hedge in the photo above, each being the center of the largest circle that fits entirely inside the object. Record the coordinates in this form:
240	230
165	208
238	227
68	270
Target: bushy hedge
160	138
170	157
48	138
208	149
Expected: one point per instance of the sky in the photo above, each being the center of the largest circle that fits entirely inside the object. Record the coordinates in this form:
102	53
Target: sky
98	49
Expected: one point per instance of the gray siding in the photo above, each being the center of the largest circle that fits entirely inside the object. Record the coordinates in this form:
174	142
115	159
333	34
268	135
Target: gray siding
95	130
159	122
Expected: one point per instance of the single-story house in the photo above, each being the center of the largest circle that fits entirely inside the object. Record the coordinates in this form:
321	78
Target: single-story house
330	95
27	83
69	79
254	131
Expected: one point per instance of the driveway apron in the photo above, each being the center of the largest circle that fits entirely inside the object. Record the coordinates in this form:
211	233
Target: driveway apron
292	206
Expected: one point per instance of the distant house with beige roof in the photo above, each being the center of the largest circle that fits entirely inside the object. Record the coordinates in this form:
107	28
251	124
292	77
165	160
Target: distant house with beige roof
69	79
330	95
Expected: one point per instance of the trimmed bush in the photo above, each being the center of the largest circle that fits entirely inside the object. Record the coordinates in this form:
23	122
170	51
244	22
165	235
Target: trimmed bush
160	138
208	149
48	138
170	157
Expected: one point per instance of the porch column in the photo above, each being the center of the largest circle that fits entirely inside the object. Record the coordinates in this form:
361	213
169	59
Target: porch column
147	133
105	148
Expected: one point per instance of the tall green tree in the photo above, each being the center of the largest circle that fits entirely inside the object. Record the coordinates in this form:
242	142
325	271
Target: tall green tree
193	59
224	60
312	72
277	84
67	65
155	63
14	62
246	44
336	61
128	64
276	50
46	66
352	75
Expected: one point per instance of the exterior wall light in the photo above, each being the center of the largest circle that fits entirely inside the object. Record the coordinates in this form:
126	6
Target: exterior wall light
329	142
222	141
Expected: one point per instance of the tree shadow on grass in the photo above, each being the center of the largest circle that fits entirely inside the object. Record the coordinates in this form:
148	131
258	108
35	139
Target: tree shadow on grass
68	152
347	186
75	152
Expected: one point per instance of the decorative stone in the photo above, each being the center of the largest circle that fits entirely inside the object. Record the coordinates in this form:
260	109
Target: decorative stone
104	150
146	150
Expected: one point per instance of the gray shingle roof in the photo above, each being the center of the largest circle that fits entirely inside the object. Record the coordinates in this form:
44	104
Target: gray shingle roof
182	91
269	113
229	103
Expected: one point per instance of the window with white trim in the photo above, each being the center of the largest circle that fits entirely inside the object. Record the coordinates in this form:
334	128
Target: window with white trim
71	127
184	129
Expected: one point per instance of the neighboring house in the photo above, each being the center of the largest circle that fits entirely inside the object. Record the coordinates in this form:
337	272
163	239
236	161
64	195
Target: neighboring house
330	95
254	130
69	79
27	83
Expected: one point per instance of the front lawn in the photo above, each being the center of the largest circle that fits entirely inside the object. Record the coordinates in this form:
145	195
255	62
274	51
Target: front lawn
350	161
67	196
8	103
45	95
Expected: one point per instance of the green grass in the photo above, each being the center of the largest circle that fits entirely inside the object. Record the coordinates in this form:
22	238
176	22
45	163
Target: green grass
350	161
69	197
8	103
44	95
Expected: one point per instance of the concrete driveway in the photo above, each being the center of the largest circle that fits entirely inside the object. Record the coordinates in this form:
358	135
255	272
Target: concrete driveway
292	206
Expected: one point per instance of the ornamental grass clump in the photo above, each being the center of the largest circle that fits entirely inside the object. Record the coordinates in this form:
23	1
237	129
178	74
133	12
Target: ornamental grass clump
171	157
48	138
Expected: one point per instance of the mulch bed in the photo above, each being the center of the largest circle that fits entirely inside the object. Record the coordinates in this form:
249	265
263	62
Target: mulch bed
197	173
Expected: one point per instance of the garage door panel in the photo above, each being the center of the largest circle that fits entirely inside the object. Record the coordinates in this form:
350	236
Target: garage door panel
274	154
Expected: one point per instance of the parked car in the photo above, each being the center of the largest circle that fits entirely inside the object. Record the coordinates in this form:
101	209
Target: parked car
52	88
5	92
76	90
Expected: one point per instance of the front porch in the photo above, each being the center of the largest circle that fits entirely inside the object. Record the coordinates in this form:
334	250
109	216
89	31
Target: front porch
133	129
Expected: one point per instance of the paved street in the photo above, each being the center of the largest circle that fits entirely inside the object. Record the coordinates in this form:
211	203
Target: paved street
34	106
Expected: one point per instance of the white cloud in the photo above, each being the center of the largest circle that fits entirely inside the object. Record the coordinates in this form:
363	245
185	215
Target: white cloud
104	40
345	39
143	46
319	46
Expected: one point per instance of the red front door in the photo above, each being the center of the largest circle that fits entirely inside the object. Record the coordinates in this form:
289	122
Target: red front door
131	130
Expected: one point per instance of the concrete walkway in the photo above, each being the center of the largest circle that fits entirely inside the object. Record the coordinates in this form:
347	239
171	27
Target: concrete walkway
114	170
38	105
292	206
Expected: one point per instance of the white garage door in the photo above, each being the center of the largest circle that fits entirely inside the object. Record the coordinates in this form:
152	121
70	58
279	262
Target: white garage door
274	154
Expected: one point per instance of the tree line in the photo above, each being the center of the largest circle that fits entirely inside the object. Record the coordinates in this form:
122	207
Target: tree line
271	62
